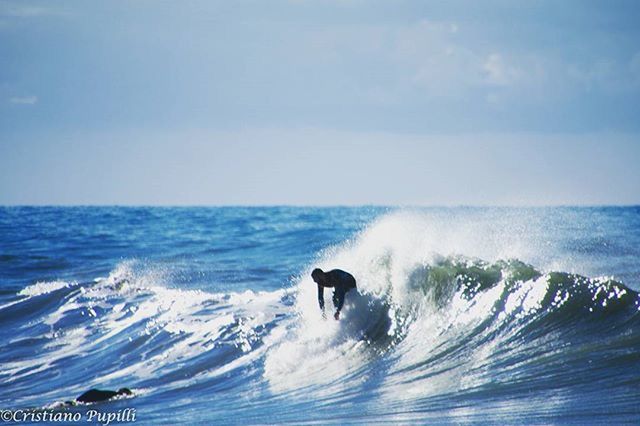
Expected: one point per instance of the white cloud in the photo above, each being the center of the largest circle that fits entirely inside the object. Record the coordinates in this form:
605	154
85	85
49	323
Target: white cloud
498	72
441	59
24	100
446	64
437	59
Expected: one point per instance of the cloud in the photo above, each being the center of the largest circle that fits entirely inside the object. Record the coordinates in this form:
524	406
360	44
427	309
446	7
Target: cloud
498	72
443	62
431	61
442	59
24	100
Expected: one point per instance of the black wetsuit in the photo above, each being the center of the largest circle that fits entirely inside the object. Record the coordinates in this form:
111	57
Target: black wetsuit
341	282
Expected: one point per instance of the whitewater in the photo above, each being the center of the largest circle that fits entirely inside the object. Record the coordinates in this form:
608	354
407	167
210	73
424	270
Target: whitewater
210	316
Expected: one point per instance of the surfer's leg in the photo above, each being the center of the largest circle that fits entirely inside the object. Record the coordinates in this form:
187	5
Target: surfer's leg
338	299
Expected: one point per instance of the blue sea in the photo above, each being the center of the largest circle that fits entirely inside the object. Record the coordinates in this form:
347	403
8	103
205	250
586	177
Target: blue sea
209	315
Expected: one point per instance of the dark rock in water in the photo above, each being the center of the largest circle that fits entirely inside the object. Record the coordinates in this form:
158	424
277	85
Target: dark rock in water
97	395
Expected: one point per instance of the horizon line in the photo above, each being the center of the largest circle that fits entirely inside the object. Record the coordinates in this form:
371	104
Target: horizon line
294	205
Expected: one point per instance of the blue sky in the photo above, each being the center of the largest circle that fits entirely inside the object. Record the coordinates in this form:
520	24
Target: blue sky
332	102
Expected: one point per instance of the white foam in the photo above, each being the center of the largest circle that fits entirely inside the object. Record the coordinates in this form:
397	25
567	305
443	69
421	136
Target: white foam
44	287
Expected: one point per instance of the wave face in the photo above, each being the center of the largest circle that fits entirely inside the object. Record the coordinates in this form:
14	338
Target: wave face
461	315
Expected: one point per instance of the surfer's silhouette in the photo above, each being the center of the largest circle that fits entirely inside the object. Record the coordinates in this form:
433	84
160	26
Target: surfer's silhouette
341	282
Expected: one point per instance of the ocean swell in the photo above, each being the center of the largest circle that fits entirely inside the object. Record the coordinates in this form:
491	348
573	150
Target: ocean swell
430	331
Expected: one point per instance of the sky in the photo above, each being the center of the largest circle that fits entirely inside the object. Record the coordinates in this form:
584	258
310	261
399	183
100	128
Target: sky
342	102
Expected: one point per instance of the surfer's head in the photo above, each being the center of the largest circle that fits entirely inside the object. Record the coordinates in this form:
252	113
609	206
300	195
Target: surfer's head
124	391
317	275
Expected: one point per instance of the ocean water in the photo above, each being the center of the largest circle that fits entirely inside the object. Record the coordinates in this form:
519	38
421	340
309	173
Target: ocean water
462	315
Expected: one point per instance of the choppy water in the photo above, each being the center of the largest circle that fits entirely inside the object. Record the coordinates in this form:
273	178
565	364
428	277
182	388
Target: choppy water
483	315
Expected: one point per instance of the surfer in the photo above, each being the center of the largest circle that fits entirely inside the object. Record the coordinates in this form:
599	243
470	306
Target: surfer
97	395
341	282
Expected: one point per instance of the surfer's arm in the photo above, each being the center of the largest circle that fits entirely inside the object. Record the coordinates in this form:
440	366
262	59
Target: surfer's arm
321	297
